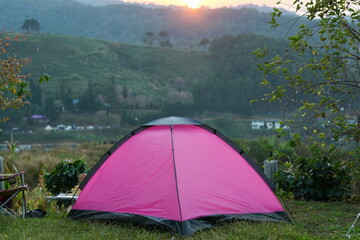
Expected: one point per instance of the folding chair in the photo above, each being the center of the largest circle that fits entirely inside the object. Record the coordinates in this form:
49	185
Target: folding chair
6	196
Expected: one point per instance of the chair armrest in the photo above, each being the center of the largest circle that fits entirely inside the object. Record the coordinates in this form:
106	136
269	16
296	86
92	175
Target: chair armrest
4	177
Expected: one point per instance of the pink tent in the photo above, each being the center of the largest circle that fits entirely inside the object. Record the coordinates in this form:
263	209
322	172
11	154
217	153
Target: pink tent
178	173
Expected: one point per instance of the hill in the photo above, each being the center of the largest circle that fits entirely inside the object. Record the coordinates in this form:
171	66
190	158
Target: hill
129	23
100	82
148	77
76	61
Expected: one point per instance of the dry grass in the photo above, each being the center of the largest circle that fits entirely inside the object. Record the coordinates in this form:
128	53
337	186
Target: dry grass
33	161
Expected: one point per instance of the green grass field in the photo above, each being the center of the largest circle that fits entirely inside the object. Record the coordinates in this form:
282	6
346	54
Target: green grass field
314	220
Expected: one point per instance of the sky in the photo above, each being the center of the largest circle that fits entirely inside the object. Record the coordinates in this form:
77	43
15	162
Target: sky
208	3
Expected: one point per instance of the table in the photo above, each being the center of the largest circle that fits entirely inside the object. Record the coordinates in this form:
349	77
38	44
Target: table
63	196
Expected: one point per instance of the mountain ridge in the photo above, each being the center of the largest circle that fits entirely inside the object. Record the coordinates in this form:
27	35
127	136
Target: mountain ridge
129	23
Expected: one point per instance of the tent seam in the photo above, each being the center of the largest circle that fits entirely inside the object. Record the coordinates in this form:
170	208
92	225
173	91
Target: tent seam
175	172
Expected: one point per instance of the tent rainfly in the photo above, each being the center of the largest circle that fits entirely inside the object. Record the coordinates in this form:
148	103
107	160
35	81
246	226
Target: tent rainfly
180	174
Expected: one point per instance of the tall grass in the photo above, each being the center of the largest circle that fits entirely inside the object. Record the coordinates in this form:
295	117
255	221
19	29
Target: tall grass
36	160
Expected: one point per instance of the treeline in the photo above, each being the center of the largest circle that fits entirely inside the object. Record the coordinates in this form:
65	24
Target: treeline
235	79
130	23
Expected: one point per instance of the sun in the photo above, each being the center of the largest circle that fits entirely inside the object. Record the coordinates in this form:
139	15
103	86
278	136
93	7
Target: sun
192	3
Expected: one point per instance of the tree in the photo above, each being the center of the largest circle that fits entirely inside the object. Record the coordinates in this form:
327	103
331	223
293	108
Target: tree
50	109
326	83
164	39
87	101
204	43
111	93
36	94
68	101
31	25
14	91
149	38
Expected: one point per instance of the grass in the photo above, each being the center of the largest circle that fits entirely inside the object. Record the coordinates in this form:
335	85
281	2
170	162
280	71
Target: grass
40	136
314	220
34	160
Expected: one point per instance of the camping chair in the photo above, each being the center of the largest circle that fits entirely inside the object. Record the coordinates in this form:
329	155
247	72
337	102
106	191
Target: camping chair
6	196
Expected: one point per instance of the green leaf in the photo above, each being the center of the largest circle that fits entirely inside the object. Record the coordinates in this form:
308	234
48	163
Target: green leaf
44	78
264	82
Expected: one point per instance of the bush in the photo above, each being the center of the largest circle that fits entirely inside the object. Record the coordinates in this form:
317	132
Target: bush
320	176
264	148
64	177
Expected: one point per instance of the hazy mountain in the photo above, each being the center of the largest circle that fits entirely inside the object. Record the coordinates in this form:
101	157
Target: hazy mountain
99	2
263	8
129	23
112	2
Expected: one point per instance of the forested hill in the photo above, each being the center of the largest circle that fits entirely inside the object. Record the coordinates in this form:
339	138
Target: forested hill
119	77
129	23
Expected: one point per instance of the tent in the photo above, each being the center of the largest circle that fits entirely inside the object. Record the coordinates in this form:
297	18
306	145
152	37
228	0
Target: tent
180	174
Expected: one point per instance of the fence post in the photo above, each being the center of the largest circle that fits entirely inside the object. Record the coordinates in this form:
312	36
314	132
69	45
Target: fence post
270	168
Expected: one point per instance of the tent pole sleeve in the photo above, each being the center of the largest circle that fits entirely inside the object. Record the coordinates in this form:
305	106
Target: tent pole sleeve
175	172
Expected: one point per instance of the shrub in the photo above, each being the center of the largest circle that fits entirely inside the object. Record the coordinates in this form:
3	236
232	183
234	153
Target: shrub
264	148
64	177
319	176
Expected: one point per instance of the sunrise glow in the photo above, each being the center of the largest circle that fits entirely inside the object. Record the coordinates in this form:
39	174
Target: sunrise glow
192	3
210	3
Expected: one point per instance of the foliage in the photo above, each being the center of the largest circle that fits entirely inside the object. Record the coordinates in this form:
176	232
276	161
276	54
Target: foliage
44	78
36	198
264	148
149	38
9	159
14	90
320	174
87	101
162	38
259	149
64	177
325	83
233	81
204	43
325	86
31	25
50	109
103	118
35	160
